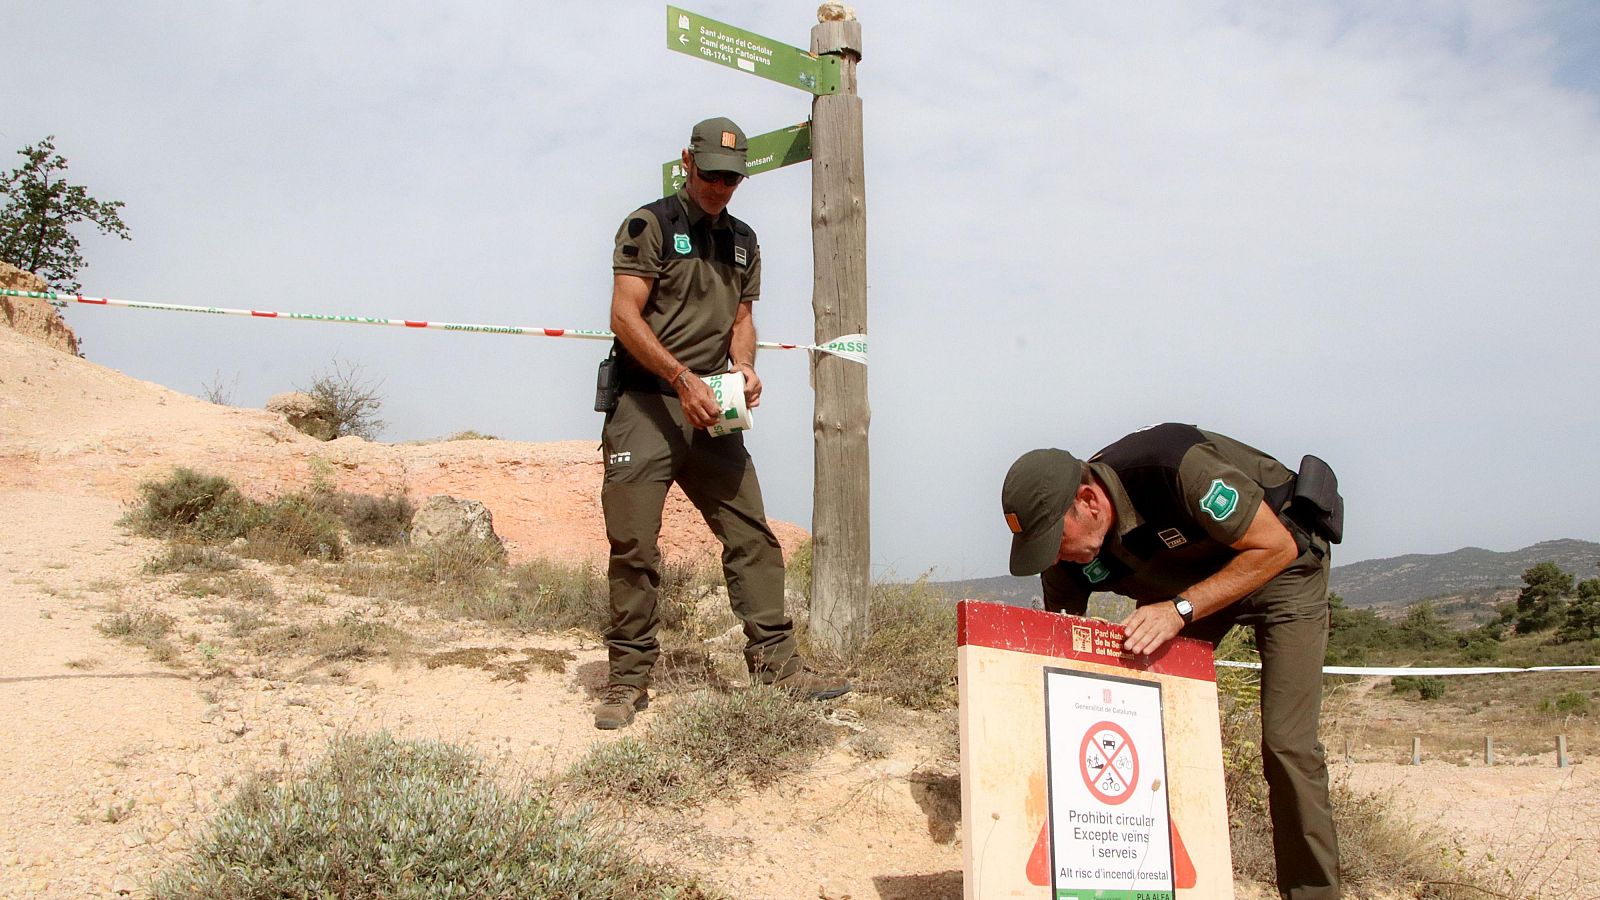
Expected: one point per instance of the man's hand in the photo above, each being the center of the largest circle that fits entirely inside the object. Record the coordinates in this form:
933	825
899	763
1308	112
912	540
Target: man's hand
1149	628
752	385
700	406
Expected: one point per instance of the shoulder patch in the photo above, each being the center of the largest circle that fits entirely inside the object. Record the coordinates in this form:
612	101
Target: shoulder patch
630	249
680	243
636	227
1221	500
1096	572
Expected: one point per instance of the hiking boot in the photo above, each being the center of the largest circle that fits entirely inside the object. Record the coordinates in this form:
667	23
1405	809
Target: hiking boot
618	704
808	685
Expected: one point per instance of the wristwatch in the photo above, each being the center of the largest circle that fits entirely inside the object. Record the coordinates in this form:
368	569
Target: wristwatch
1185	609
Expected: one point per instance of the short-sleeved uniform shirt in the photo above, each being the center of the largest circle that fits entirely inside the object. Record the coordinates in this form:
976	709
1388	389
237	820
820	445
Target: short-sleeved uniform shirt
702	268
1182	496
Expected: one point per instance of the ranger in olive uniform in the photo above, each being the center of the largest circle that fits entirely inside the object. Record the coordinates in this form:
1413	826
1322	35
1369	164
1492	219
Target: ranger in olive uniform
1204	533
686	274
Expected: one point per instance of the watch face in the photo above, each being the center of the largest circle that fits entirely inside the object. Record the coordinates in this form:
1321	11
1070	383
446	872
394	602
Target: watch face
1185	608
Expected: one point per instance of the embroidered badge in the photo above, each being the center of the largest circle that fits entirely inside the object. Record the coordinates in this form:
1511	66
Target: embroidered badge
739	256
620	459
1013	523
680	243
729	141
1173	538
1096	572
1220	501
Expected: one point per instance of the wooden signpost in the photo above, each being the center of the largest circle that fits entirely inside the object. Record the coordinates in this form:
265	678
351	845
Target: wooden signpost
841	583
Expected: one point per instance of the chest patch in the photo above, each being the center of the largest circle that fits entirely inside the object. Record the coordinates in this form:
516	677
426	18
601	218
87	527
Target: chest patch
680	243
1096	572
1173	538
1221	500
739	256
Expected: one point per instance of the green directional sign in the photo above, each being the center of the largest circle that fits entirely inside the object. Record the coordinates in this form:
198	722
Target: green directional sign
769	151
736	48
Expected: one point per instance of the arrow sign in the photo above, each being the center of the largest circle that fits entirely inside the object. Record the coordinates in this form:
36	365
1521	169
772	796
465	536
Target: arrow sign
746	51
769	151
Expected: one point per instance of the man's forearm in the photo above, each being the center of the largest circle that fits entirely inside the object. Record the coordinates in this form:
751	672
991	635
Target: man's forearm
742	350
1240	577
643	345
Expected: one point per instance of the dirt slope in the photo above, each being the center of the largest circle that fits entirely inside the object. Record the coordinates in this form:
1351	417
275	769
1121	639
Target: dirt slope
68	424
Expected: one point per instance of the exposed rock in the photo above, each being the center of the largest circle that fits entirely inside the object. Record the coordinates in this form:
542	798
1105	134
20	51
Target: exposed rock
443	519
34	318
305	413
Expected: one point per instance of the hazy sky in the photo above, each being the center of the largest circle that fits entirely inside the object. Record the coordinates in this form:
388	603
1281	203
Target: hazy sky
1369	230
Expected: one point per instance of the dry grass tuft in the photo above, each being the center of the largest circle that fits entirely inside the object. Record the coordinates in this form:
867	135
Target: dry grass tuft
707	745
379	818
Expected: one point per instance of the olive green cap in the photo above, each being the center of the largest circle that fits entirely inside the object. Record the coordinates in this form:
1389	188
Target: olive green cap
718	145
1038	489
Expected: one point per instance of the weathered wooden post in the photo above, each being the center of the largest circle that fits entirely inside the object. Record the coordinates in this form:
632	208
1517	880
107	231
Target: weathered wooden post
1561	751
1416	751
841	577
1488	750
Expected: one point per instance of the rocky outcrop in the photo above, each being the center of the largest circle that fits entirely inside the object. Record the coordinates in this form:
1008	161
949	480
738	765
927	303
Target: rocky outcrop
446	520
305	413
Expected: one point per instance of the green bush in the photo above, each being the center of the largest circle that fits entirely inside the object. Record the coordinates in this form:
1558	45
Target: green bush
1570	703
1428	688
378	818
705	745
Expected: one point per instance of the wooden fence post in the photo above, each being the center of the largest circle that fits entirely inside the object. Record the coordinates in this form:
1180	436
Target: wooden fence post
1488	750
1416	751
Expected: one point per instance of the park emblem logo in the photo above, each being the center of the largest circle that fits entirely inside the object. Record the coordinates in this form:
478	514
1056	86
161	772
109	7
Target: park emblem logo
1096	572
1220	501
680	243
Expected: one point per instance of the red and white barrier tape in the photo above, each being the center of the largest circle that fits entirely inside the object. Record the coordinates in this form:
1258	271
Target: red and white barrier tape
852	347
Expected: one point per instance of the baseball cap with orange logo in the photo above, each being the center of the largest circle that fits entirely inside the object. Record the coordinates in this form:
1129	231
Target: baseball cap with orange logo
1038	488
718	145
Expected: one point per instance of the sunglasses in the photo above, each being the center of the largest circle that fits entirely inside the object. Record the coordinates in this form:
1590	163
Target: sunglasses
727	179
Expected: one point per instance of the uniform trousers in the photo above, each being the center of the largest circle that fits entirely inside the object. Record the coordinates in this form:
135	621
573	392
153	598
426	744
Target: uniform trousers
1290	618
649	446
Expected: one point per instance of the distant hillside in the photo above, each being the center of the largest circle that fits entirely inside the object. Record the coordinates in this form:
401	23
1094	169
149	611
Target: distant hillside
1470	571
1470	577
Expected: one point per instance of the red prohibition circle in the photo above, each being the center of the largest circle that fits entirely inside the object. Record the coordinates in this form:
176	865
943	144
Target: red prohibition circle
1125	746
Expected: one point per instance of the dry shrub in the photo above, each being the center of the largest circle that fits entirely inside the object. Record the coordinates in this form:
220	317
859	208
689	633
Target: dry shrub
206	508
351	637
381	521
294	527
146	628
910	655
379	818
706	745
191	558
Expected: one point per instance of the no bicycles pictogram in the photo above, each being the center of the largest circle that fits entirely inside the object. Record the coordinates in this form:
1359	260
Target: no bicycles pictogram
1109	762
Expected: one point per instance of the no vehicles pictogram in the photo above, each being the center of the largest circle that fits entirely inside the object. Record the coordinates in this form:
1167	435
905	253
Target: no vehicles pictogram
1109	762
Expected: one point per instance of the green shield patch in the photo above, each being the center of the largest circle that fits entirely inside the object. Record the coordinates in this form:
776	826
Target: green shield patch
1096	572
1221	500
680	243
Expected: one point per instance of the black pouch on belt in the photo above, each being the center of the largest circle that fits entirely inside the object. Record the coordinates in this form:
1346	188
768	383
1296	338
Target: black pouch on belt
1316	503
607	384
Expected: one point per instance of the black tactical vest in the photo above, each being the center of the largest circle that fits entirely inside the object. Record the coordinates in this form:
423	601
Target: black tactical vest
710	244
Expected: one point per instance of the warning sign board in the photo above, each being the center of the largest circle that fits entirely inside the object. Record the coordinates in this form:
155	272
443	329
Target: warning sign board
1087	772
1106	770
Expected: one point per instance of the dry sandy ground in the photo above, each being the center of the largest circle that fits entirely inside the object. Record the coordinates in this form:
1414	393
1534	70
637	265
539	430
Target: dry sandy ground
112	762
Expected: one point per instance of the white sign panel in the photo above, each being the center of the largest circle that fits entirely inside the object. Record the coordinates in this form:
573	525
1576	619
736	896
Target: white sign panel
1110	832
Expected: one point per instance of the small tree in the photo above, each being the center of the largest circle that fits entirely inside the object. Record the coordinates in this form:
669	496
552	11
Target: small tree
1539	603
1582	619
351	401
41	208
